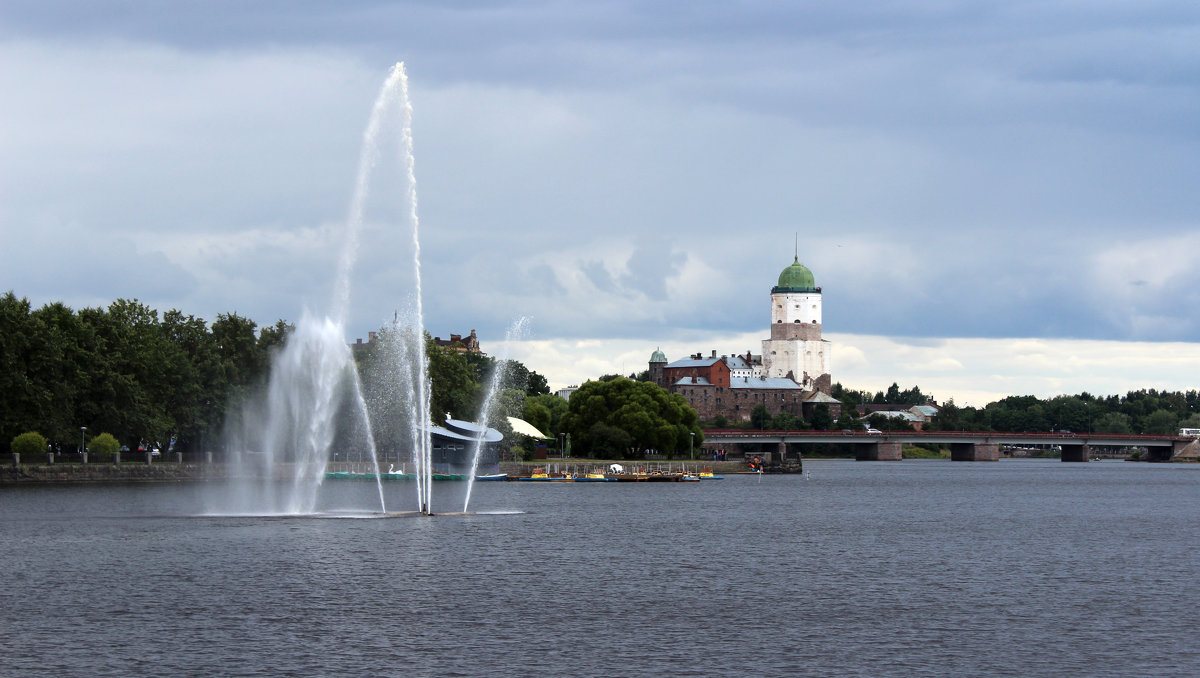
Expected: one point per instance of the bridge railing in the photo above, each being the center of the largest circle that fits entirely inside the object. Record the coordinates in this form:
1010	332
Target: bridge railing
1046	435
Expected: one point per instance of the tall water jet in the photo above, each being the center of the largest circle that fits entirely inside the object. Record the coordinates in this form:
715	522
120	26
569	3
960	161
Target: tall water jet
515	331
421	392
315	374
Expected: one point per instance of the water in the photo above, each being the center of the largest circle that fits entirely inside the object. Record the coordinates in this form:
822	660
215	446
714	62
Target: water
1018	568
515	331
314	376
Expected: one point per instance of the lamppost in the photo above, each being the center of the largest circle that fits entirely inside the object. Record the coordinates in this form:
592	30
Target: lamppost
562	451
82	449
691	439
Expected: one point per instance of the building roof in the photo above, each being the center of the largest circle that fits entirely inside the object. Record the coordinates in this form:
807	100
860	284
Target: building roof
777	383
658	356
819	397
898	414
456	429
796	278
525	428
694	381
927	410
737	362
694	362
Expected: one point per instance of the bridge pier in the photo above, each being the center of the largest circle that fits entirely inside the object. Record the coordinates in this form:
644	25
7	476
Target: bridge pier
974	452
1076	452
878	451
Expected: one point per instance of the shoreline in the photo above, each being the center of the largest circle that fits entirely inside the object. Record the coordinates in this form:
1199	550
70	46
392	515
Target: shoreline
174	472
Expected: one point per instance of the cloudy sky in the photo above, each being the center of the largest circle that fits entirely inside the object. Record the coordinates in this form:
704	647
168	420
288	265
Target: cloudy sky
996	197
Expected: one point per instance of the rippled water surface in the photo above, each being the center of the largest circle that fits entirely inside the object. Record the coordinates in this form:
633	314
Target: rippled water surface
1018	568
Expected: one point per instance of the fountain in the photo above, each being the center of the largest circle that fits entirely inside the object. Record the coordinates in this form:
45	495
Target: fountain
314	375
516	331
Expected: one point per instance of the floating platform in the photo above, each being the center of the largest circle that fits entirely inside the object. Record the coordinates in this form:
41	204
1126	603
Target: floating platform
348	475
637	475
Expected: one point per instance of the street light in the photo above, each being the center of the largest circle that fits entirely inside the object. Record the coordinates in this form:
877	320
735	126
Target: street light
562	451
82	449
691	439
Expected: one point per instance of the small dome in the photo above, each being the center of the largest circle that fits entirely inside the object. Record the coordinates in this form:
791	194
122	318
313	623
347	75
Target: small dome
658	356
796	278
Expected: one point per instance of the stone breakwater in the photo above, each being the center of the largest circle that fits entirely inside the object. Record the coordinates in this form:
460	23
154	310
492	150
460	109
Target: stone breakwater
109	473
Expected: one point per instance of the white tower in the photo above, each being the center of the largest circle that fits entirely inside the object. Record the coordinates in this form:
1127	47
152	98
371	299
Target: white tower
796	349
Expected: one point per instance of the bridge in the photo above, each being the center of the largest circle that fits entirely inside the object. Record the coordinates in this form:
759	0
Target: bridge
781	448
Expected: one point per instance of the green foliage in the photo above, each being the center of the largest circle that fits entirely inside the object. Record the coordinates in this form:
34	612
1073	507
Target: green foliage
455	383
849	423
1161	422
760	418
886	423
510	402
124	370
822	420
1113	422
103	446
29	444
788	422
921	452
546	413
624	418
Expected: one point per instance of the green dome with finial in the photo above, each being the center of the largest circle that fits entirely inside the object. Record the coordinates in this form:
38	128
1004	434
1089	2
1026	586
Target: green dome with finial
658	356
796	278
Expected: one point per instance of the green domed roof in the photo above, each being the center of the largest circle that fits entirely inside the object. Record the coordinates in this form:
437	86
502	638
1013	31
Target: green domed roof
796	278
658	356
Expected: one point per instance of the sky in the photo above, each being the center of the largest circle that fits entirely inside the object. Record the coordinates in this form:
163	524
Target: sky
997	198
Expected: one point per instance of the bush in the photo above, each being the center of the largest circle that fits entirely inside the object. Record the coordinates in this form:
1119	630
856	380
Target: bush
29	445
103	446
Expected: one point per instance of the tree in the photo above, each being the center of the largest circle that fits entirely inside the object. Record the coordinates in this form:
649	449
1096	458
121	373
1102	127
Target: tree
537	384
847	422
822	420
454	384
886	423
652	418
760	418
785	421
29	444
1160	422
1192	421
103	446
546	413
1113	422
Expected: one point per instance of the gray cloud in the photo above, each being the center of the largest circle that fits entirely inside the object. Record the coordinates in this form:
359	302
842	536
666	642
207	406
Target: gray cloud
617	168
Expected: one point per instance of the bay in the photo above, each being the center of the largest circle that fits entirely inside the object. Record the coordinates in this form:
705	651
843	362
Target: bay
1015	568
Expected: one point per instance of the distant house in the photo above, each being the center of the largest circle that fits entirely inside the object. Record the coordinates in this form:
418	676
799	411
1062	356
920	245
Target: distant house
917	415
458	343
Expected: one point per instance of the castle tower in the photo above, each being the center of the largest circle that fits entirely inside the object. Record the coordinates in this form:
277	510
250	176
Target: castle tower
796	349
658	361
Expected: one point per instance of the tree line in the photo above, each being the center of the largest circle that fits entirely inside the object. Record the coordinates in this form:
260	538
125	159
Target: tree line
1145	411
124	370
128	371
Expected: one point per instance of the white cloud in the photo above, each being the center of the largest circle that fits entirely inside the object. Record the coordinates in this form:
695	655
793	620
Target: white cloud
969	371
951	174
